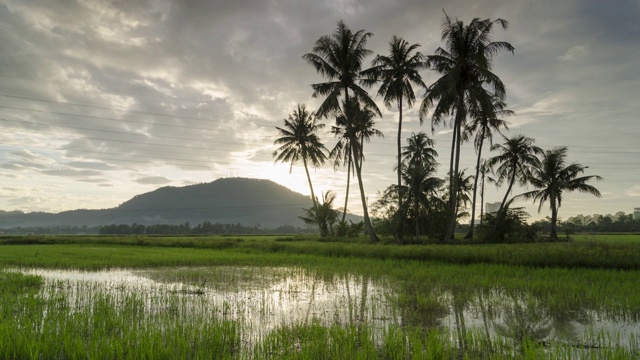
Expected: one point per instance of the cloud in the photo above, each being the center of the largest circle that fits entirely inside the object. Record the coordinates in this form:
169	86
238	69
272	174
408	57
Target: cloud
71	173
153	180
575	53
26	201
633	191
95	88
94	165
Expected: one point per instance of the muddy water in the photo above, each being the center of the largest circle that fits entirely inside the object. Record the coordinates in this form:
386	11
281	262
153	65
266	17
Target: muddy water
261	299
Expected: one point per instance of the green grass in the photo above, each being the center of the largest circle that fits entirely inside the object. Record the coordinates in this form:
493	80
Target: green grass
594	274
47	326
589	251
607	238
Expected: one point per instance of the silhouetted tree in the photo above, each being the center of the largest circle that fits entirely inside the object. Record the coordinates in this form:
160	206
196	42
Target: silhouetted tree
515	161
465	66
484	122
552	177
339	58
299	140
397	72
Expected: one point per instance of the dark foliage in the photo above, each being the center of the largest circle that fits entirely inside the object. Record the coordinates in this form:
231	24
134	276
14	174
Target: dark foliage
510	227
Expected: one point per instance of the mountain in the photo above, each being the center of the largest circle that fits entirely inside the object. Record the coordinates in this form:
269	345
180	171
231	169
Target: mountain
227	201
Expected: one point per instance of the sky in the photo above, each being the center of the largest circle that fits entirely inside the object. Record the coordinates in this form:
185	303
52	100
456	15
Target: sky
104	100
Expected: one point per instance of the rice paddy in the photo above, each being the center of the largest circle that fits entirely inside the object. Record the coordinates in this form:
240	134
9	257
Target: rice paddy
75	300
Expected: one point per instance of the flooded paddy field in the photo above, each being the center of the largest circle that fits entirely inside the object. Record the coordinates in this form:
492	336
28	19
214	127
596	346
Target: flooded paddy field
310	307
254	308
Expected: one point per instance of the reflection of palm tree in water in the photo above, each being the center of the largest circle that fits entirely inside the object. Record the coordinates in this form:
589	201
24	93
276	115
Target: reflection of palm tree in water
525	320
529	319
349	303
487	314
311	299
459	302
363	303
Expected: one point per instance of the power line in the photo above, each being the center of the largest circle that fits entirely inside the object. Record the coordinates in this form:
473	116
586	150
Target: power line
109	131
106	118
129	141
200	119
104	108
190	139
198	161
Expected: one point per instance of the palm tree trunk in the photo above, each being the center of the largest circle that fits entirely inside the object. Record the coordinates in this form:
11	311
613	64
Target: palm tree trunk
400	209
417	210
504	200
306	170
554	216
346	195
475	188
482	198
313	196
357	154
453	174
367	221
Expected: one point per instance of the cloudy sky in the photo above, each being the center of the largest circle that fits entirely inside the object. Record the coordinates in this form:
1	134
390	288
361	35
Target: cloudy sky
103	100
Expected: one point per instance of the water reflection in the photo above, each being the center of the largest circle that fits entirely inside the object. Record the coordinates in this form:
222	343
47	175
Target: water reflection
262	299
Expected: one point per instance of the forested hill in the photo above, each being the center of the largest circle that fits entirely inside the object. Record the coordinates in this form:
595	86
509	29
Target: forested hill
226	201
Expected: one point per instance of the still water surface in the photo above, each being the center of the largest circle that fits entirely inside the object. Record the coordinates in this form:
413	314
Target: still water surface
261	299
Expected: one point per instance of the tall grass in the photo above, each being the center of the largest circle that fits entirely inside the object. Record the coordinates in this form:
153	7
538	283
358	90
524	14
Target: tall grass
606	252
93	324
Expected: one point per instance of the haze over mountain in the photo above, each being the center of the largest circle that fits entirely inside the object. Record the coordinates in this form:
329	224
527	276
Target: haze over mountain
227	201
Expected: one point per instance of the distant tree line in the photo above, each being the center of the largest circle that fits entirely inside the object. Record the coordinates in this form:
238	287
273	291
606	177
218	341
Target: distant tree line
618	223
52	230
206	228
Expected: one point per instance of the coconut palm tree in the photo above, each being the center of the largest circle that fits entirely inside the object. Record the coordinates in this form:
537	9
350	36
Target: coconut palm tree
515	161
341	154
397	72
299	140
339	58
323	215
464	185
419	159
485	122
422	189
553	177
465	66
343	150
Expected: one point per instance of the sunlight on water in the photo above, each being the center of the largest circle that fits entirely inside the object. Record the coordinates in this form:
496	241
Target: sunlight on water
262	299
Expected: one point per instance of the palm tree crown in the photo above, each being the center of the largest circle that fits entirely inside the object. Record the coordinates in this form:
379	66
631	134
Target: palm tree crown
553	177
299	140
397	72
419	151
516	158
339	58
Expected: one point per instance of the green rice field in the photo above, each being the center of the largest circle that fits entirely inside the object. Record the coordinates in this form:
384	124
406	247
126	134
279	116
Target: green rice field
302	298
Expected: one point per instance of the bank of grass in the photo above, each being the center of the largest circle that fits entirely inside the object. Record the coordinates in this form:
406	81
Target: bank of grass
621	252
607	238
